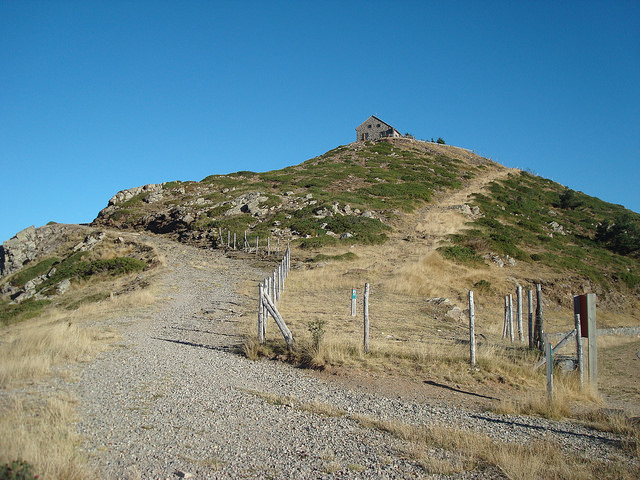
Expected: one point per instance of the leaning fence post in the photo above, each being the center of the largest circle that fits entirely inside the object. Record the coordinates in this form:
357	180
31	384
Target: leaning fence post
549	356
530	317
366	317
472	330
579	349
519	311
260	314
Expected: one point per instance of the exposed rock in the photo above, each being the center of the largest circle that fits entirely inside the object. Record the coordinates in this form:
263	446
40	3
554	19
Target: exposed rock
495	258
347	209
248	203
557	228
89	242
368	214
31	243
346	235
125	195
63	287
475	210
509	260
152	197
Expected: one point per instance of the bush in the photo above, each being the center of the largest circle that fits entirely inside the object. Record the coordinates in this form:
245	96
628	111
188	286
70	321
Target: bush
17	470
621	236
461	254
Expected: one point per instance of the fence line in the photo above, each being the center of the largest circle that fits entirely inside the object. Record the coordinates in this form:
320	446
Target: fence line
269	293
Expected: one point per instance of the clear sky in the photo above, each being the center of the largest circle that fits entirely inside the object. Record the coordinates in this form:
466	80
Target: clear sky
96	97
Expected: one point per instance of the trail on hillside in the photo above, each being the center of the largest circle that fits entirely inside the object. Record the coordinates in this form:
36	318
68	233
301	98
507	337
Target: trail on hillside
173	398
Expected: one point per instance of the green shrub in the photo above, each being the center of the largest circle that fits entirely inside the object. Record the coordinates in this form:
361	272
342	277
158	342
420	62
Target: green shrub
17	470
29	273
17	312
461	254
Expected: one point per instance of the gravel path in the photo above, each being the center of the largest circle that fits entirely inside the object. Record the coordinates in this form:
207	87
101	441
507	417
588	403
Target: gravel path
172	399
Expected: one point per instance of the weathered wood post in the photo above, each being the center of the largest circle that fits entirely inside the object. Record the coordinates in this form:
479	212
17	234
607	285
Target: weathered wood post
530	317
276	290
278	245
286	333
472	330
257	244
511	334
268	246
234	240
579	350
260	314
228	238
549	357
265	314
539	328
366	318
505	328
519	311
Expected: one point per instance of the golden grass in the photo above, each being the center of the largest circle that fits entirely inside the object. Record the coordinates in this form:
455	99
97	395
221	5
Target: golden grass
38	431
32	348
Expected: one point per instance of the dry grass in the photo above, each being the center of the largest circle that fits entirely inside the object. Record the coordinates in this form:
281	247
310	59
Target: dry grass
59	337
38	431
36	428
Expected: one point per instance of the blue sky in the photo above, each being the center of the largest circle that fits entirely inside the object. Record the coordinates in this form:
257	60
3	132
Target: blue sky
96	97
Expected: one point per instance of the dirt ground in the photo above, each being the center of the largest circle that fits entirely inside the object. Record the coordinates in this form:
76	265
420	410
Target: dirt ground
619	373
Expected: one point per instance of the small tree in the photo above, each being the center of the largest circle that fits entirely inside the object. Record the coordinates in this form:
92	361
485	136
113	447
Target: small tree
621	236
440	141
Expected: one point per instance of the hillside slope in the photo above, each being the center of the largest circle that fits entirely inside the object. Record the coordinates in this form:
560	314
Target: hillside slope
489	221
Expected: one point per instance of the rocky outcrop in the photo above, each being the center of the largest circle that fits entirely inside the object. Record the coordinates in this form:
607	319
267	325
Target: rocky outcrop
31	243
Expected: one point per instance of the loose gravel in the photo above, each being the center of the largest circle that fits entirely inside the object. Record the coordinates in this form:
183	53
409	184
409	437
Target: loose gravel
172	399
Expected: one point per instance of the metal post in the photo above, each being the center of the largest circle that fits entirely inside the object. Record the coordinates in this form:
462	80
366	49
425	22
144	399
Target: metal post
366	317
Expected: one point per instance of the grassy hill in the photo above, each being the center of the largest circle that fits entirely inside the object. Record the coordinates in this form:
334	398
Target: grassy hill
374	193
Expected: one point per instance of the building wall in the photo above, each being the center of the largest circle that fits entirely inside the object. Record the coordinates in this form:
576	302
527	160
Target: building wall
374	128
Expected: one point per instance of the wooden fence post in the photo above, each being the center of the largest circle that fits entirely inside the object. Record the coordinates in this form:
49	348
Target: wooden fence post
530	317
519	311
260	314
511	333
549	356
579	350
257	244
286	333
366	318
472	331
505	328
228	238
265	313
539	328
234	240
276	295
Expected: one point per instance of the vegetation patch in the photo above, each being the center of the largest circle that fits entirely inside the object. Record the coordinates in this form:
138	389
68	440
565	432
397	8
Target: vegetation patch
334	258
461	254
17	312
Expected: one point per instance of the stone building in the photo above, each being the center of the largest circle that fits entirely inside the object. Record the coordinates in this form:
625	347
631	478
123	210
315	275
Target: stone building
373	128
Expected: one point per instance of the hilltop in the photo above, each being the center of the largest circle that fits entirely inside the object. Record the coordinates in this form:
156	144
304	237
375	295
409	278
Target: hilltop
503	223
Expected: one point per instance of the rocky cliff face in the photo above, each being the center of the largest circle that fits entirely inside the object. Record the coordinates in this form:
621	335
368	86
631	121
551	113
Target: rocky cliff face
31	243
